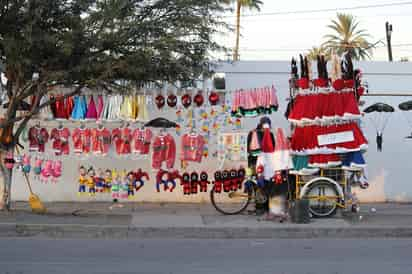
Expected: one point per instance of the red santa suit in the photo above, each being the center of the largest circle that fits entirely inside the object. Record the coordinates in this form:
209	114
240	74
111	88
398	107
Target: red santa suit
38	138
192	147
164	150
142	139
122	138
101	139
81	140
60	137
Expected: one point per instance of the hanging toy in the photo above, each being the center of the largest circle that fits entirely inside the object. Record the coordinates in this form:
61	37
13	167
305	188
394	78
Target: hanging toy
241	175
227	184
278	178
90	181
38	163
18	162
198	99
115	185
140	175
203	181
9	160
213	113
218	182
56	171
194	182
124	186
107	180
160	101
213	98
172	100
187	190
131	185
47	171
203	114
160	180
26	164
260	177
179	115
171	179
178	130
238	124
186	100
99	181
233	179
82	180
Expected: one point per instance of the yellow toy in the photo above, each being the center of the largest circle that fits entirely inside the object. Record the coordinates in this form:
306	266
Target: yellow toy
82	180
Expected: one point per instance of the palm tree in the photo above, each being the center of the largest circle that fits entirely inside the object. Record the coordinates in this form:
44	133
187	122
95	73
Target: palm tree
250	4
347	37
314	52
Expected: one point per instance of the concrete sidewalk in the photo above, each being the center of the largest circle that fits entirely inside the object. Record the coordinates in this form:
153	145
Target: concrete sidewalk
149	220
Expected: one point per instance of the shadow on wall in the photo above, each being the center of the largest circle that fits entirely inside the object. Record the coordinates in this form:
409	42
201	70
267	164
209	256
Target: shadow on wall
376	191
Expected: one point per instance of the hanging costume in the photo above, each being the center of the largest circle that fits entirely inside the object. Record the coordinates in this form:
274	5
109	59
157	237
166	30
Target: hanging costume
122	138
38	138
82	140
192	147
101	140
60	137
91	110
142	140
164	150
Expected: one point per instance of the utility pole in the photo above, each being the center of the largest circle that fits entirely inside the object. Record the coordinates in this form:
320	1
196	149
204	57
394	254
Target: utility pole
388	40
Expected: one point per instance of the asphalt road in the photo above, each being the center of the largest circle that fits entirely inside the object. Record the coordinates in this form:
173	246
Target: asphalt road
21	256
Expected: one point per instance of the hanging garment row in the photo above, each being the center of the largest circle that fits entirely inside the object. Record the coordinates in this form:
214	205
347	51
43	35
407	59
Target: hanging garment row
253	102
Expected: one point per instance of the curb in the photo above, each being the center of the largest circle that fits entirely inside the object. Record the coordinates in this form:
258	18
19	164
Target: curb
127	232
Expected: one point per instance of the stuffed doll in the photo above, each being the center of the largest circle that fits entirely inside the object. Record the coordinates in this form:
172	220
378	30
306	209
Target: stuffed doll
115	185
241	174
82	179
186	184
9	160
108	180
233	179
38	163
218	182
140	175
47	171
131	183
90	181
160	179
171	179
56	171
260	176
203	181
278	178
227	183
194	182
26	164
124	187
99	181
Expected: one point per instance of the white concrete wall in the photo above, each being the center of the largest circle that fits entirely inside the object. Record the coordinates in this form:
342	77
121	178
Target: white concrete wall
388	170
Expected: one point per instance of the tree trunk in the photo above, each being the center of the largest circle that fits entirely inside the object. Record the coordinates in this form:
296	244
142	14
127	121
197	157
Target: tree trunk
5	184
236	51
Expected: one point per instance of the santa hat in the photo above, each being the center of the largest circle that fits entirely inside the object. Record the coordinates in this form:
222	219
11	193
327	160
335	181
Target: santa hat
267	143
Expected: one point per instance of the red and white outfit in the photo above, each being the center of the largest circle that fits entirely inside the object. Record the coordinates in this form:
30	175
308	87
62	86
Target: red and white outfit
101	140
60	137
122	138
142	140
38	138
82	140
192	147
164	150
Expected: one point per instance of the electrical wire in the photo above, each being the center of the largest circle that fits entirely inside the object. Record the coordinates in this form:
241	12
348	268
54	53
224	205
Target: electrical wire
394	4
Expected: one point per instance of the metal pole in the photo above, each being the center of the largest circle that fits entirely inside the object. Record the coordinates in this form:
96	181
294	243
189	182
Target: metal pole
388	40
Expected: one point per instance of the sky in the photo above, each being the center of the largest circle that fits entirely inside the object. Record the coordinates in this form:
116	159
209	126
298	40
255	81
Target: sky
279	37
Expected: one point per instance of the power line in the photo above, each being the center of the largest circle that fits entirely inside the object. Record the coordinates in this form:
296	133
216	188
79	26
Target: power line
395	4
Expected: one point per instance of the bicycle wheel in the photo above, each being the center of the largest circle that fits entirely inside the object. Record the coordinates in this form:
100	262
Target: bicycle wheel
323	198
231	203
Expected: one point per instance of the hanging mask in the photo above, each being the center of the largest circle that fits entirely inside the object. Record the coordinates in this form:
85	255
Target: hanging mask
214	98
160	101
172	100
199	100
186	100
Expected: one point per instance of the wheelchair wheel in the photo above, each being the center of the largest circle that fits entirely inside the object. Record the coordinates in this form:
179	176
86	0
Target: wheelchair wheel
323	197
233	202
